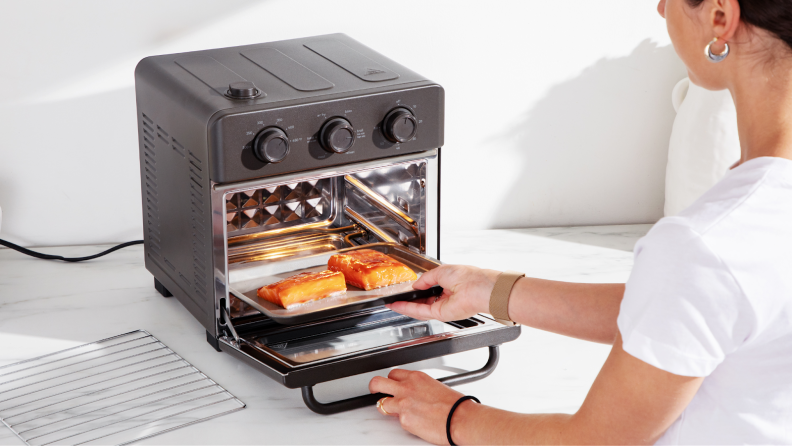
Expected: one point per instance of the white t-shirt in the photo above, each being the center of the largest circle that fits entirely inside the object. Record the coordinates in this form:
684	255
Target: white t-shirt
711	295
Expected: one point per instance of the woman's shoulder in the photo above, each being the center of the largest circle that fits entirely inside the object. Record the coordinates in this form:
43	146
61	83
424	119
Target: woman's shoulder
743	199
747	214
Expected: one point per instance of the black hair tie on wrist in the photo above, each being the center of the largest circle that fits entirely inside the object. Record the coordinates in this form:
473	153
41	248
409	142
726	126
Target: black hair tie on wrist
451	414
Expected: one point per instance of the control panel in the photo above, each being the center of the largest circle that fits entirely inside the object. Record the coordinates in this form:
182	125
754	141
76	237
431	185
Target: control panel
274	141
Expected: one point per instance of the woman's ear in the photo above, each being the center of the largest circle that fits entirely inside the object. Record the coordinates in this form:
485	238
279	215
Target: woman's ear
724	18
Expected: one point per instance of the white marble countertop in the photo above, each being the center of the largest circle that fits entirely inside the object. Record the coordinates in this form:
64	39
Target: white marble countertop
47	306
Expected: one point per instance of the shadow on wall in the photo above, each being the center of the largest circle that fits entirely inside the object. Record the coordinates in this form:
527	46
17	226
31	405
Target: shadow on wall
615	117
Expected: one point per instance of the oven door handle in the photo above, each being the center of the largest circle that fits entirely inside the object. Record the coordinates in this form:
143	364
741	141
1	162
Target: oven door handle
370	400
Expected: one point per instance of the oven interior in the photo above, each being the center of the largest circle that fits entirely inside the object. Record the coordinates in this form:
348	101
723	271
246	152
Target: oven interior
274	222
278	222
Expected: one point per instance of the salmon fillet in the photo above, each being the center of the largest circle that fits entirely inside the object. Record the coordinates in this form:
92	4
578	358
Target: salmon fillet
303	287
369	269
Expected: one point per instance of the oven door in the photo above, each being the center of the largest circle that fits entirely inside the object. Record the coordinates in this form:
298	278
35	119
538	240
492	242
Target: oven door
369	340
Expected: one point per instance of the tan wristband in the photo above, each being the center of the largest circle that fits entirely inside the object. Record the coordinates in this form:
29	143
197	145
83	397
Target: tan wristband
499	299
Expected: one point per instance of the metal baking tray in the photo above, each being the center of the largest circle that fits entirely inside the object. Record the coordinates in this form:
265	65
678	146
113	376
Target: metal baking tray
246	279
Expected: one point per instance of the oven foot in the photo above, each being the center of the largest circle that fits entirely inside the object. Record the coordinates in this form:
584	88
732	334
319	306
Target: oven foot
161	288
370	400
212	341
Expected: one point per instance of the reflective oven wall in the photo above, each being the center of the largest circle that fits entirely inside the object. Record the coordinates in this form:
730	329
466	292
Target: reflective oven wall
275	221
276	207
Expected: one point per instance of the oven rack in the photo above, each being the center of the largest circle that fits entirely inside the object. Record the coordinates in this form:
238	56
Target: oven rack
117	390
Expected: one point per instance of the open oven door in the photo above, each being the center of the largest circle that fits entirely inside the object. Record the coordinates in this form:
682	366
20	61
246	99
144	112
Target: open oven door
304	355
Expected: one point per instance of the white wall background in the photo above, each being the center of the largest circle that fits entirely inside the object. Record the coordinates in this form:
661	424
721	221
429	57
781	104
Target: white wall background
570	101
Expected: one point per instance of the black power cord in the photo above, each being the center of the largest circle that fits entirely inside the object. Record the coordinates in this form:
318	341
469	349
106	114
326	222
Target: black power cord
39	255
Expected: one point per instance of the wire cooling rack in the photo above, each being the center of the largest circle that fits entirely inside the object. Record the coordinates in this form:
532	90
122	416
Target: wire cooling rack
115	391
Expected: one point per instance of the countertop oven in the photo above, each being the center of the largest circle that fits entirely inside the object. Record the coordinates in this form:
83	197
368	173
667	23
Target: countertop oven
261	161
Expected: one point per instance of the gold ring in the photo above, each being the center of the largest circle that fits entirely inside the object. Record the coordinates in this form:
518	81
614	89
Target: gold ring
380	405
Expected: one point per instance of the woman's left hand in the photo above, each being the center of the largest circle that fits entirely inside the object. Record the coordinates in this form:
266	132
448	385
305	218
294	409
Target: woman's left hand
421	402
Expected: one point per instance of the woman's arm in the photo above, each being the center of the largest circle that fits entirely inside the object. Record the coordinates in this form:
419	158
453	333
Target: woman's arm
631	402
581	310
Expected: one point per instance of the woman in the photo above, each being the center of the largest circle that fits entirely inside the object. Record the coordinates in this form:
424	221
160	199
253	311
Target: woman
702	331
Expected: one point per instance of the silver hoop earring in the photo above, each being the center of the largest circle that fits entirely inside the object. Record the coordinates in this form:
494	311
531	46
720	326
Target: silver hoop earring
715	58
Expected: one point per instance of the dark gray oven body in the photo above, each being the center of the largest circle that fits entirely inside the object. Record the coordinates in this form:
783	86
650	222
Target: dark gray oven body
195	139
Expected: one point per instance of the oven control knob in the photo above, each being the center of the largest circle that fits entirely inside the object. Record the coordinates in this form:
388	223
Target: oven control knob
271	145
399	125
337	135
242	90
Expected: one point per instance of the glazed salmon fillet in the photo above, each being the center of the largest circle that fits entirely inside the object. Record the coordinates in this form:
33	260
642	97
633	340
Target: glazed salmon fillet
369	269
303	287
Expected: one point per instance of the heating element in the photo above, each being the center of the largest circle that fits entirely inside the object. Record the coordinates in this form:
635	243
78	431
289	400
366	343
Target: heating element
115	391
259	162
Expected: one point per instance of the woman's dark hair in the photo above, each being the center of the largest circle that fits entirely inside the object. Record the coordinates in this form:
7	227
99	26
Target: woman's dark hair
771	15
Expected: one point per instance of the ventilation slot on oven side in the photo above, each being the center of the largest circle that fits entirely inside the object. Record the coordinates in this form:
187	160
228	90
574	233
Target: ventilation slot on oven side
151	195
178	148
197	220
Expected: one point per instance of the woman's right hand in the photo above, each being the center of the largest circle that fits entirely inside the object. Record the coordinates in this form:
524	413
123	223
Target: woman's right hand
466	292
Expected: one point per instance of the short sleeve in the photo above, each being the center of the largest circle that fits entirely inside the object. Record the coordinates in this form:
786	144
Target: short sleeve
682	311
